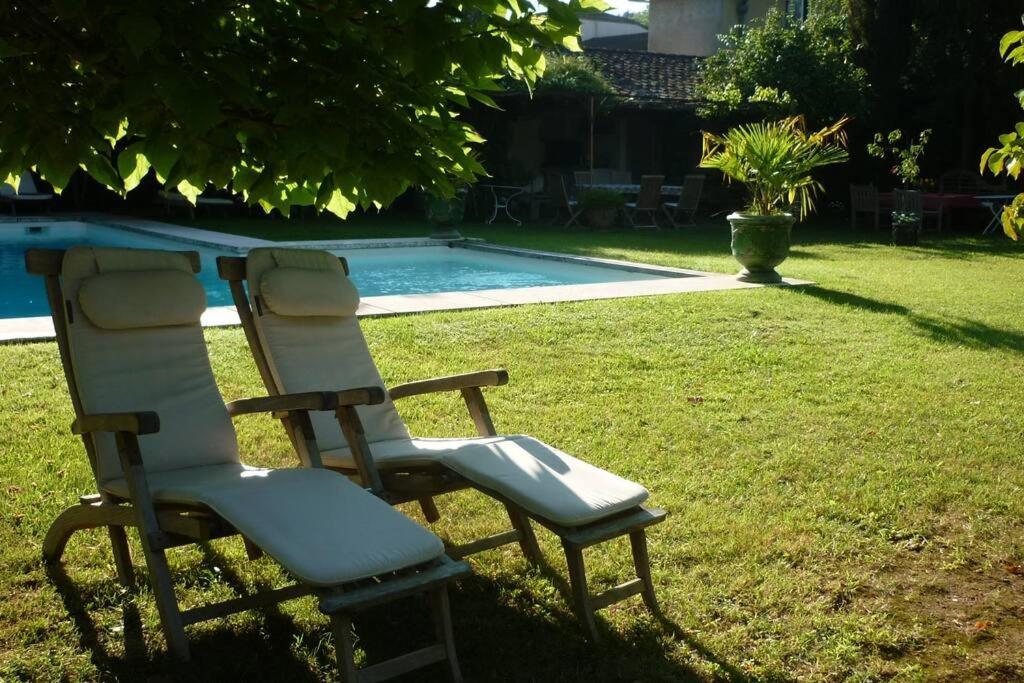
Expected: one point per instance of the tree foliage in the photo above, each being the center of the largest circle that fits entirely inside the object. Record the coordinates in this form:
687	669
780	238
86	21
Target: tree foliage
775	160
1009	157
782	67
572	74
335	104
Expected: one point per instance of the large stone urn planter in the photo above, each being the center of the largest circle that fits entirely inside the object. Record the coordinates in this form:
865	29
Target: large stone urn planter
760	243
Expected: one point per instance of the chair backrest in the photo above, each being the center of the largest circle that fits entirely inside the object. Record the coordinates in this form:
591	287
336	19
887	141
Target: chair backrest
689	195
863	197
622	177
304	320
26	185
908	201
963	181
568	195
581	178
130	339
649	196
602	176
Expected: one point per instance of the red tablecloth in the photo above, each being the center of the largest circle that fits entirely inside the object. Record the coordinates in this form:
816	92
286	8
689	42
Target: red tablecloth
935	201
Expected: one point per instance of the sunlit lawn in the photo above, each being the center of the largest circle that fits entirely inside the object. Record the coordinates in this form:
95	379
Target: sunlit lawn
843	464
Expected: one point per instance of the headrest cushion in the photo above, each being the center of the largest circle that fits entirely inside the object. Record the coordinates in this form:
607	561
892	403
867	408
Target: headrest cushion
126	299
301	292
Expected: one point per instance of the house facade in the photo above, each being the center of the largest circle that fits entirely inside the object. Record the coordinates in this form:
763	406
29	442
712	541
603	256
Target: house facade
692	27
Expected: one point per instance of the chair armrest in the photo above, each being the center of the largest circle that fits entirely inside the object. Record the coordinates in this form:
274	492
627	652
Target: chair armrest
469	380
144	422
311	400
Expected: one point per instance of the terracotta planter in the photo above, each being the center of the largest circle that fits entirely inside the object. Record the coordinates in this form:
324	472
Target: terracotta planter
760	243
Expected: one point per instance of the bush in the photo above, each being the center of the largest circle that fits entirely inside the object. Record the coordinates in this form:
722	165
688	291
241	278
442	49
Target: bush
599	198
783	67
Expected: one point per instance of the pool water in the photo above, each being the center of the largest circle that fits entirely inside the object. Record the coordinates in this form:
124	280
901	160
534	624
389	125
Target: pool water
376	271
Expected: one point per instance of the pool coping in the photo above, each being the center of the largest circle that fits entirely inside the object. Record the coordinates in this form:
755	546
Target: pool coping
670	280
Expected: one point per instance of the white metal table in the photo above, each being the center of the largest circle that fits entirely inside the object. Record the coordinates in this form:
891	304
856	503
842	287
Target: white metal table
995	204
503	196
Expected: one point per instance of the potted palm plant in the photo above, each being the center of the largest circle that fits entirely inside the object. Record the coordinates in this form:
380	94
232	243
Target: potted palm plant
774	160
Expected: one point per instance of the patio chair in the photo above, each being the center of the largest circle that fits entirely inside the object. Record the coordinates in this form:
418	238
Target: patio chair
165	459
582	179
647	202
300	338
173	198
27	194
683	212
569	203
912	202
864	199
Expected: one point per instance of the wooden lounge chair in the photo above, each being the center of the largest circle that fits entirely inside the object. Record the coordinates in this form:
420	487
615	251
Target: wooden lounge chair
683	212
165	458
647	202
301	335
27	194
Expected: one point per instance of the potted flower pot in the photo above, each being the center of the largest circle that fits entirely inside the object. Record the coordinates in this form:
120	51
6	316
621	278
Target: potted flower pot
600	207
445	213
775	161
760	243
906	229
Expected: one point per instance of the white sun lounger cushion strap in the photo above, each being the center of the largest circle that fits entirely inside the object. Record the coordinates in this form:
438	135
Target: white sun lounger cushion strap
317	524
546	481
299	292
124	300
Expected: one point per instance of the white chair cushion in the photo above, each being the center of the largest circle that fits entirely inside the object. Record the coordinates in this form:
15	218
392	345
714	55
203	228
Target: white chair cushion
546	481
538	477
126	300
407	452
300	292
317	524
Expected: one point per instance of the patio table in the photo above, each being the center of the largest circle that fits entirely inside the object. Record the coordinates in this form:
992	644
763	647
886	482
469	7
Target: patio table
937	202
503	196
995	204
628	188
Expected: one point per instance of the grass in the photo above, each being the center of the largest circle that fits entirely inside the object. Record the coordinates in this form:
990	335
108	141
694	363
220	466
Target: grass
842	464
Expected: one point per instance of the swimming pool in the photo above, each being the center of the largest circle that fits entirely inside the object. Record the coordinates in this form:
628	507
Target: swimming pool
375	271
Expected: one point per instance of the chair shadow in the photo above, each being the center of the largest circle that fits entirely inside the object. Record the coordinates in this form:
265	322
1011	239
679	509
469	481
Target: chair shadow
955	332
502	633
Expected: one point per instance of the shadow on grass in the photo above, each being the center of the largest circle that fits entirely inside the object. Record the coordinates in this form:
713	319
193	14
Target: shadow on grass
502	631
958	332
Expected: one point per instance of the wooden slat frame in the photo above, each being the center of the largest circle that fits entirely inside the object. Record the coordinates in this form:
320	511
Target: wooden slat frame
423	483
166	526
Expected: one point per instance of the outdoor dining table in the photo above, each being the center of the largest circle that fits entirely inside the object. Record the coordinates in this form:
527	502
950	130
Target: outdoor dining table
503	196
938	202
995	204
628	188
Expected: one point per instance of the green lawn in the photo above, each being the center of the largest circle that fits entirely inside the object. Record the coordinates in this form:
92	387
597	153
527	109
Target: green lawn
843	466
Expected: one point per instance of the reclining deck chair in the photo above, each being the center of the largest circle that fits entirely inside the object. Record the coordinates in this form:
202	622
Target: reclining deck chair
299	318
164	454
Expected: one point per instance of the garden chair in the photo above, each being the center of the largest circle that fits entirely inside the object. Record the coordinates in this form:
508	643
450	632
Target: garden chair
582	179
683	212
300	337
647	202
569	203
27	194
165	459
912	202
864	199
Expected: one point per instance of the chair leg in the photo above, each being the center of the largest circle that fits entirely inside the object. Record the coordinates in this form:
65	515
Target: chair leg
443	626
166	602
341	625
527	539
122	555
580	592
642	563
429	509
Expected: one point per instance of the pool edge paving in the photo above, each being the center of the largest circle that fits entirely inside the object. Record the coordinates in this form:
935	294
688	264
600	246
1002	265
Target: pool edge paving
670	280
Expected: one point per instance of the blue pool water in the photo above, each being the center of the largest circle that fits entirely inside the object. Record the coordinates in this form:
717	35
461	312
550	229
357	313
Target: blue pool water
402	270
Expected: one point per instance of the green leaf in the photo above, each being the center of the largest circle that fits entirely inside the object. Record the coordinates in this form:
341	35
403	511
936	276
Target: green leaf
99	167
140	31
1008	40
189	191
133	165
339	204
